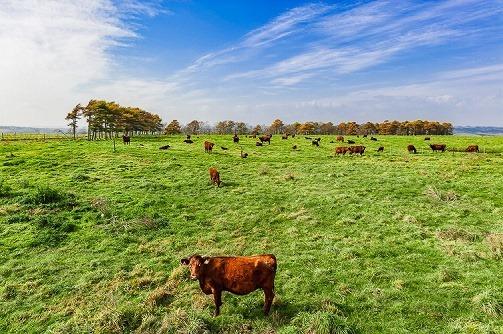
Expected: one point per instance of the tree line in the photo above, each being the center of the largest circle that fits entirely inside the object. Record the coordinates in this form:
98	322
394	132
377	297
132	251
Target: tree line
405	128
107	119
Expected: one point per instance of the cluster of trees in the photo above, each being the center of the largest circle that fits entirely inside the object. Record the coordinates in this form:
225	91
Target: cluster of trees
418	127
107	119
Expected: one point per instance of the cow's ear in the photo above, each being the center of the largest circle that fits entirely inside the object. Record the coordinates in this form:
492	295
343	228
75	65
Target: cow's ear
184	261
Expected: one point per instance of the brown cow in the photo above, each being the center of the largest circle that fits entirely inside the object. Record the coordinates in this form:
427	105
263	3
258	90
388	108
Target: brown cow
208	147
215	176
340	138
126	139
341	150
239	275
438	147
472	148
380	149
265	138
356	149
411	149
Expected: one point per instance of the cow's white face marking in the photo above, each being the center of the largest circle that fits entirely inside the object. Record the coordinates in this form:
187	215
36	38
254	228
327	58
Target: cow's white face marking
207	261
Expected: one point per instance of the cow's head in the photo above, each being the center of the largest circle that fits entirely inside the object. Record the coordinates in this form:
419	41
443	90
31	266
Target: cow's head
195	264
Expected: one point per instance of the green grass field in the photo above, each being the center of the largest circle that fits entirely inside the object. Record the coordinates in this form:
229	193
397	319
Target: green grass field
91	240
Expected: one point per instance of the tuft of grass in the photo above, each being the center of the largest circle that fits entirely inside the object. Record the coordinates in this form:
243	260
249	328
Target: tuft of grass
438	195
489	302
321	323
495	243
47	195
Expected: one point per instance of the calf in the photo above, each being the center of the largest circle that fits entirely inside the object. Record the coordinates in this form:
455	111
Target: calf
411	149
472	148
438	147
380	149
126	139
188	141
351	142
235	139
341	150
356	149
208	147
165	147
340	138
237	274
215	176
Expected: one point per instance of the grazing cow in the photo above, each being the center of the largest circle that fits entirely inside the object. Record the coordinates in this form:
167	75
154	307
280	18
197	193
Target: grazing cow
308	138
215	176
318	139
293	136
235	139
315	143
341	150
380	149
240	275
284	136
357	136
473	148
258	144
340	138
426	138
188	137
165	147
356	149
188	141
365	136
265	138
208	147
438	147
411	149
332	142
294	147
126	139
224	148
351	142
244	155
373	139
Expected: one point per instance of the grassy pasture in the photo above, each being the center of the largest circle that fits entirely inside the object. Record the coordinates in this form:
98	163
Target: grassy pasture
90	240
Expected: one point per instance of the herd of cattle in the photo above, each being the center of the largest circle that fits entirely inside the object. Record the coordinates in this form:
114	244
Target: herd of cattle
245	274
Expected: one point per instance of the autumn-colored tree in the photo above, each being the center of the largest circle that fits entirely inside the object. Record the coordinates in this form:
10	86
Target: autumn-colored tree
173	128
74	116
276	126
307	128
257	129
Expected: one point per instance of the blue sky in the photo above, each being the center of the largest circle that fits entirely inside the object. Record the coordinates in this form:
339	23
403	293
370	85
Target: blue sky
254	61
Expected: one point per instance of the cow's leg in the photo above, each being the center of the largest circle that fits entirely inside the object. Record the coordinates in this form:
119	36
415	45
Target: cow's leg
269	296
217	296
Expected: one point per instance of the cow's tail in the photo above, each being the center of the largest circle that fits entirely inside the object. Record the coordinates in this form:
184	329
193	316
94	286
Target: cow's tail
272	263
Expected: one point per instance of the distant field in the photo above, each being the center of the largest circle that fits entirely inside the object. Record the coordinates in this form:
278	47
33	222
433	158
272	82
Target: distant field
90	240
